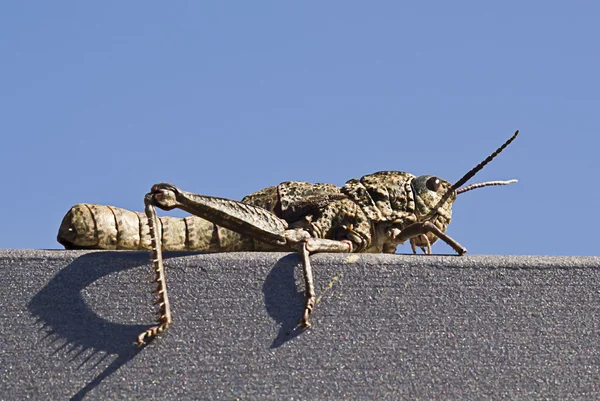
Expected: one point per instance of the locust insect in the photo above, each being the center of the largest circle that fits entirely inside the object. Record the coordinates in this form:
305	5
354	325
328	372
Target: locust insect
372	214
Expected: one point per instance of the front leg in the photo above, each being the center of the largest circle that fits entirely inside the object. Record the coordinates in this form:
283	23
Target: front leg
421	228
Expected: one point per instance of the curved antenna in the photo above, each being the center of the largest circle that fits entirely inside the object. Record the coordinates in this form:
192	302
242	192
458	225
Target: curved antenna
484	184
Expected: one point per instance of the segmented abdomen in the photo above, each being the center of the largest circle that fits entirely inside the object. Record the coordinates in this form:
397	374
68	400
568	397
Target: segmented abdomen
88	226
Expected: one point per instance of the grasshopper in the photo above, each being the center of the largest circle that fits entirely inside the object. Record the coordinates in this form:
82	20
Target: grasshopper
373	214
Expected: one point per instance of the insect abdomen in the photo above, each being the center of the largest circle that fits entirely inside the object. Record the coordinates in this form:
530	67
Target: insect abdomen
88	226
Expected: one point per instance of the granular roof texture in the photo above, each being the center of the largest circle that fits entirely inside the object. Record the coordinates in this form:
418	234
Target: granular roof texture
385	327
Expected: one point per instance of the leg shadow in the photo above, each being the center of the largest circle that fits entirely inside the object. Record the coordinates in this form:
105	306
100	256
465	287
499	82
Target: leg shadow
63	311
283	301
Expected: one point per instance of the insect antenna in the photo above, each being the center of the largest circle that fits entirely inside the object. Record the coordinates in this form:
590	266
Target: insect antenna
484	184
470	175
481	165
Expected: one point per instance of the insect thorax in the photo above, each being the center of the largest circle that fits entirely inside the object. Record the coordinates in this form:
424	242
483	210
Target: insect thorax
384	196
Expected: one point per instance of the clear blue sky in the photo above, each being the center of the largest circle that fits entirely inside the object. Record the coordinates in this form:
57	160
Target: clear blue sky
100	100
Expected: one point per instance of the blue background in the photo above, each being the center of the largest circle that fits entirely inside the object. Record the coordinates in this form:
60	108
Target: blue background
100	100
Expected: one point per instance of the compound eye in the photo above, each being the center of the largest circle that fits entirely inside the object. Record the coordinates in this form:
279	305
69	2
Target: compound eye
433	184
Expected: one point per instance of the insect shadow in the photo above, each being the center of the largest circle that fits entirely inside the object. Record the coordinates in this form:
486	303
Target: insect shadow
284	302
65	315
62	310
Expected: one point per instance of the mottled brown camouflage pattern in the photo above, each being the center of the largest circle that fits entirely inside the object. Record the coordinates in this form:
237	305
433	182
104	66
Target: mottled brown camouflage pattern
362	212
371	213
